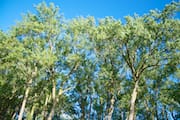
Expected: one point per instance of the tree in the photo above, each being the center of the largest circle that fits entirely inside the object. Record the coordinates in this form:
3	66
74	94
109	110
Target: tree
83	69
147	44
10	86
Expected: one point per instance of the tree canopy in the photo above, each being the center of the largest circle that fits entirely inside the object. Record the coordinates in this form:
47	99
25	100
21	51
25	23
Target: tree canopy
84	68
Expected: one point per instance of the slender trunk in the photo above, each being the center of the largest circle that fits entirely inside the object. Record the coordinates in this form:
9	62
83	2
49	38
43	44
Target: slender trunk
147	109
100	111
153	115
156	106
24	101
89	114
123	114
32	112
44	108
108	104
103	110
51	114
82	108
13	116
133	100
110	109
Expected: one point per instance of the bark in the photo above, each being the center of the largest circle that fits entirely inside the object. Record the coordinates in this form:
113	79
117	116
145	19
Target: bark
153	116
147	113
100	111
89	113
156	104
55	100
32	111
30	114
51	114
44	108
133	100
110	109
13	116
122	115
24	101
82	105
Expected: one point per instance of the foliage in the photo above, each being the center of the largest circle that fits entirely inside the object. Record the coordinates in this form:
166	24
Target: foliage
51	68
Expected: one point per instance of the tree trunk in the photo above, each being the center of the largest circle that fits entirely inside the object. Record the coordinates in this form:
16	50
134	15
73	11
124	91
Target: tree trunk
13	116
89	113
51	114
24	101
44	108
123	116
100	111
82	105
110	109
146	115
32	112
133	100
156	104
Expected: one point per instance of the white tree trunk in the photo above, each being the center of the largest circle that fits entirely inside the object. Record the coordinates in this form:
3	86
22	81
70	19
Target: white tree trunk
132	102
24	103
51	114
45	106
111	109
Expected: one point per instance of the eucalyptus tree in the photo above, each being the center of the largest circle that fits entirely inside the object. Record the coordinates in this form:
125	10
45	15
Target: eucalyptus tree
31	64
148	43
40	35
104	53
49	17
59	51
10	86
85	66
145	44
90	70
109	61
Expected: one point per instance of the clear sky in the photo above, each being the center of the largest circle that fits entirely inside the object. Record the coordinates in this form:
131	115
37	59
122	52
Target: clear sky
12	10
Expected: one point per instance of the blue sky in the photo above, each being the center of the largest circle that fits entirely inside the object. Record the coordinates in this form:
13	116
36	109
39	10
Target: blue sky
12	10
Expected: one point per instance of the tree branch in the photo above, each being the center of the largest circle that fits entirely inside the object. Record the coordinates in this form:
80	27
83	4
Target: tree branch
63	91
73	69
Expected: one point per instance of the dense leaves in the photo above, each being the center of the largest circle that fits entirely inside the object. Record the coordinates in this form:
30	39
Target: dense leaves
88	69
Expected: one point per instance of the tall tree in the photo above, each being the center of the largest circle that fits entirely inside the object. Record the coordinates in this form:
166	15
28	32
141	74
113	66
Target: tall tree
52	69
145	46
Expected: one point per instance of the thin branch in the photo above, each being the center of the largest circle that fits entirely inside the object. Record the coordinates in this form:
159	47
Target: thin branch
63	91
148	66
73	69
128	60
